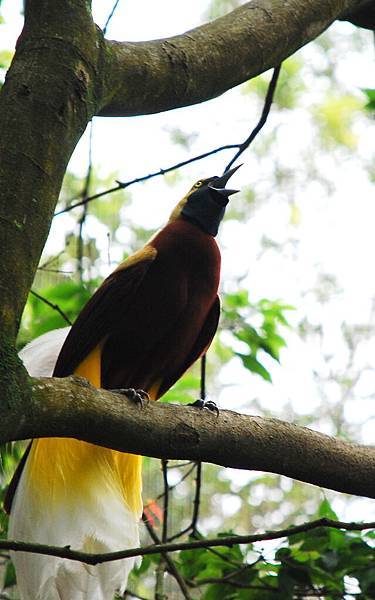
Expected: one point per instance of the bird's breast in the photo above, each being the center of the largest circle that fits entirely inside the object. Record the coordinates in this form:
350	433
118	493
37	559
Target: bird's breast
184	247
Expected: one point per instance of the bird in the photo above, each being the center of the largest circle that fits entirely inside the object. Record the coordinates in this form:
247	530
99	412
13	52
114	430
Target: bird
147	323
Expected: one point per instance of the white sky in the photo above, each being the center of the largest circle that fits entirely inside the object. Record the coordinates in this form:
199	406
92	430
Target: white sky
335	232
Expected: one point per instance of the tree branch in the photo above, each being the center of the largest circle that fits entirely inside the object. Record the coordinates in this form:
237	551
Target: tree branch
45	103
94	559
72	408
150	77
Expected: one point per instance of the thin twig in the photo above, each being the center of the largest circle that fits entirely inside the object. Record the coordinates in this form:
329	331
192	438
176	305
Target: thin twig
181	465
197	499
172	569
265	112
230	581
94	559
203	377
229	577
114	7
159	580
59	271
129	593
52	259
238	564
198	476
198	466
164	464
51	305
122	185
84	194
241	148
172	487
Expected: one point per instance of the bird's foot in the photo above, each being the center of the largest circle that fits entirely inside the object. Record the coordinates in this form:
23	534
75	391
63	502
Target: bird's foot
207	404
136	396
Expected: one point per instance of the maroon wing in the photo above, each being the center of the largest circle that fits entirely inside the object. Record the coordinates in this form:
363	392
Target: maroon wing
202	344
100	316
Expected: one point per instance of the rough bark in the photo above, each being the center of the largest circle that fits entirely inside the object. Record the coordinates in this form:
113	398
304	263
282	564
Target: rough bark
72	408
154	76
45	104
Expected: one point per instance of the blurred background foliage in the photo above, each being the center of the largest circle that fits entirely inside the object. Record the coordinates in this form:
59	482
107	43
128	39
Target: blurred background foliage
258	333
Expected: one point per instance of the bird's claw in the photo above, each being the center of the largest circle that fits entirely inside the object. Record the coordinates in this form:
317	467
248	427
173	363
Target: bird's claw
207	404
136	396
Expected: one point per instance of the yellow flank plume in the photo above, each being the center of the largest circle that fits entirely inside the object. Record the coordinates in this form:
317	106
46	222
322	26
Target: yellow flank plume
90	367
62	469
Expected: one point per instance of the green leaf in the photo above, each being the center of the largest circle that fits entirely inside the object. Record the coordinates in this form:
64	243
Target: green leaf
185	391
10	576
366	580
5	58
39	317
144	566
253	365
370	93
336	117
325	510
286	584
330	559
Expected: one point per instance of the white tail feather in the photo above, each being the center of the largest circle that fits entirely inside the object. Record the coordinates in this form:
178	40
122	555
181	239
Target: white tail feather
98	522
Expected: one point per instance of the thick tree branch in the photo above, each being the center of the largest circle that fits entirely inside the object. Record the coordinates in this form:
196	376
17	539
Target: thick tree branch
154	76
45	104
72	408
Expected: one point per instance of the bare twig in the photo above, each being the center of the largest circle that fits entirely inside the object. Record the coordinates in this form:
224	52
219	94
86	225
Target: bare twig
84	194
94	559
51	305
185	476
164	465
265	112
130	594
172	569
197	499
52	259
114	7
160	570
203	377
122	185
236	584
159	581
198	466
198	476
60	271
241	148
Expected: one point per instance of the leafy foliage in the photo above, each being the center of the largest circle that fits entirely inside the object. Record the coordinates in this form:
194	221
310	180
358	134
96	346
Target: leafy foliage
40	317
370	93
240	316
336	117
320	563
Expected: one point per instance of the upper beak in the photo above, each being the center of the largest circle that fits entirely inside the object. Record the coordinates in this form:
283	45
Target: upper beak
219	183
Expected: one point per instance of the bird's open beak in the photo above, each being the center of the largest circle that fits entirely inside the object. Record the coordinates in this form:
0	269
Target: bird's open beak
219	183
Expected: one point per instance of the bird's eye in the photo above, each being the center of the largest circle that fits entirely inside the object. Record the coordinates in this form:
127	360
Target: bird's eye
199	183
